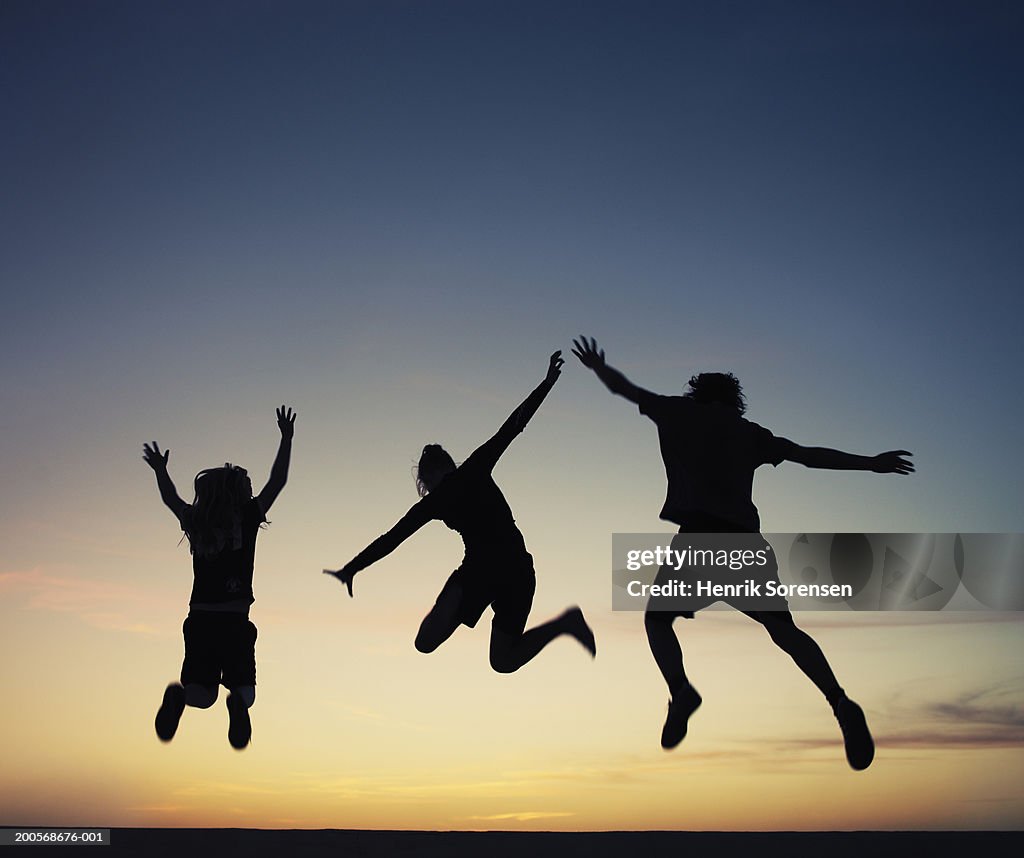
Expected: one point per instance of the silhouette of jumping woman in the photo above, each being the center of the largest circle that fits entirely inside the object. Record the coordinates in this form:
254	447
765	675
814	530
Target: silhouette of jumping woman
710	453
497	570
220	642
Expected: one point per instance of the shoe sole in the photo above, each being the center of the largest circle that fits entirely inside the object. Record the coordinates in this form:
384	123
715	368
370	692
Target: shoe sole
239	725
169	714
673	742
860	747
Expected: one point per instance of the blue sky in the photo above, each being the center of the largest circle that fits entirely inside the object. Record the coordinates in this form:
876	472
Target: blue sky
825	199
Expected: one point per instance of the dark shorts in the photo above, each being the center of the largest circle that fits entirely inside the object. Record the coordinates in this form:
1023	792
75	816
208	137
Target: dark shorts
220	649
506	584
755	607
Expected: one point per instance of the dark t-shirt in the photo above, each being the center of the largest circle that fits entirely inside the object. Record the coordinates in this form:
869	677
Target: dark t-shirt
470	503
710	455
226	577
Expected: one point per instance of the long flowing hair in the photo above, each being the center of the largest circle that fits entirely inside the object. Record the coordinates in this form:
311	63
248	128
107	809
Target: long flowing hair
216	520
433	458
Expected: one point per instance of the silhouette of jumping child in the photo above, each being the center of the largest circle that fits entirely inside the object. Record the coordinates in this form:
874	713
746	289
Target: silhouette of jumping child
221	525
497	570
710	453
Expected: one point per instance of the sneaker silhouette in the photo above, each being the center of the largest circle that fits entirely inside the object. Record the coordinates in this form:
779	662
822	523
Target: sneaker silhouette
239	725
169	713
680	708
860	747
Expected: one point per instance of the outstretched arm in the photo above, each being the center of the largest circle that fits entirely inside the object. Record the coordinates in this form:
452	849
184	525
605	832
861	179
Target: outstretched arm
593	358
382	546
490	451
158	462
279	470
892	462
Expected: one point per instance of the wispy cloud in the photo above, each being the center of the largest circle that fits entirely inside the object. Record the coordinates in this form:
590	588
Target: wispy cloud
998	705
105	544
892	619
986	718
874	619
522	815
101	603
168	809
622	769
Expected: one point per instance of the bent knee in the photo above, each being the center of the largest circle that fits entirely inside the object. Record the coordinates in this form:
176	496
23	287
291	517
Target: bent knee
247	693
200	696
425	643
502	663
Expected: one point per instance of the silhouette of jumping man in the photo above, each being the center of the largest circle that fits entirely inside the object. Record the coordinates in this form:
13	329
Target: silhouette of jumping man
220	642
497	570
710	453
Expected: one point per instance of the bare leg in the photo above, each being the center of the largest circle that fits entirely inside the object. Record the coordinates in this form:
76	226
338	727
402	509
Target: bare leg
442	621
510	652
668	655
801	647
200	696
247	693
664	644
176	698
804	651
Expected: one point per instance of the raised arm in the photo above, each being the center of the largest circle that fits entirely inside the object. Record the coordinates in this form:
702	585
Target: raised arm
892	462
279	470
490	451
383	545
593	358
158	462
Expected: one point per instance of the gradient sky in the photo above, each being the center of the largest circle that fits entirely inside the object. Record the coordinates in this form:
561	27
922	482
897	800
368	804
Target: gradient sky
387	215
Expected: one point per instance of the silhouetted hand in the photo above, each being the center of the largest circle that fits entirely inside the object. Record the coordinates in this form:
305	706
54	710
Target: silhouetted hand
286	422
554	367
154	458
893	463
589	354
345	575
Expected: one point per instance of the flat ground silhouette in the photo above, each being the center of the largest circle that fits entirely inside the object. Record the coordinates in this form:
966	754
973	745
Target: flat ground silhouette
255	843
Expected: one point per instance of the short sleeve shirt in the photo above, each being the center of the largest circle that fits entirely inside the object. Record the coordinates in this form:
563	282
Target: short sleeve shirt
710	454
469	502
226	577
